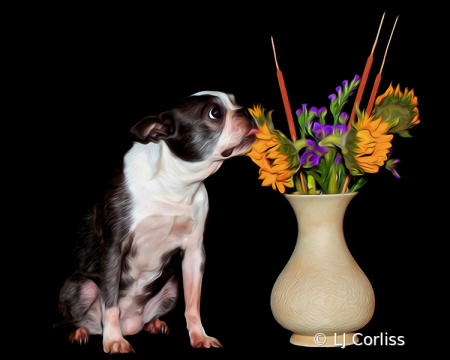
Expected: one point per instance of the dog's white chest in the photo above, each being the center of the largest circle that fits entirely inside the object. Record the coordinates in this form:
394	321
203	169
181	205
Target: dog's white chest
164	216
156	235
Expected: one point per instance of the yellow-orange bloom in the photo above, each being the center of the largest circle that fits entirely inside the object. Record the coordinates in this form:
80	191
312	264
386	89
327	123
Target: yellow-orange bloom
395	104
370	144
273	153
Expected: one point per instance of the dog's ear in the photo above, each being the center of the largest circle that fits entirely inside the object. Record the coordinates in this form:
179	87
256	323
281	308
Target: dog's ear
154	128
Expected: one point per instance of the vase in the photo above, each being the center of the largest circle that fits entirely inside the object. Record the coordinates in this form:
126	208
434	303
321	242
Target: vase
322	295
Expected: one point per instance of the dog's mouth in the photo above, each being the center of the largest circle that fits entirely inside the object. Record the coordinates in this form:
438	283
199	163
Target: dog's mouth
248	139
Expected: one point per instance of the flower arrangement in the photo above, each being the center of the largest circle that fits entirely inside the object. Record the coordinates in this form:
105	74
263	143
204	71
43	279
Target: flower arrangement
326	156
333	159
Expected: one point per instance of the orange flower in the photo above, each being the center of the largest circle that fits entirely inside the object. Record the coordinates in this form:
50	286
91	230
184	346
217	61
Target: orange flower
395	104
368	145
273	152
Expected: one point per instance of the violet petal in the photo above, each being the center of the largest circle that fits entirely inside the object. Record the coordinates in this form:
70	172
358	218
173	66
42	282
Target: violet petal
342	129
328	129
317	127
320	149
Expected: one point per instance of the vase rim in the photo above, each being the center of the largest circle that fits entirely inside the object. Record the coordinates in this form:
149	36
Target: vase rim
321	195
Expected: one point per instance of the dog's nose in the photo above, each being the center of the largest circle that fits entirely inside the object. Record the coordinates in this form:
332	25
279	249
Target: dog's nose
249	118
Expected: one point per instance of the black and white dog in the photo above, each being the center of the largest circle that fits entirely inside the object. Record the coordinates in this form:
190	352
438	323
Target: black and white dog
156	208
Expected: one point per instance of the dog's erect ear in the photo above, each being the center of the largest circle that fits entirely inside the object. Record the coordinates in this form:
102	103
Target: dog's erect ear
153	128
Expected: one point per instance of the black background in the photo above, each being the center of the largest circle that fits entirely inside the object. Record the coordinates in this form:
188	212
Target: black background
98	72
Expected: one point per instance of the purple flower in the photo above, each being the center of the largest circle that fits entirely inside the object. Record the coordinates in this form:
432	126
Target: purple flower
299	111
338	158
322	130
309	158
318	149
338	89
345	83
314	110
342	129
332	97
321	110
356	78
391	165
344	115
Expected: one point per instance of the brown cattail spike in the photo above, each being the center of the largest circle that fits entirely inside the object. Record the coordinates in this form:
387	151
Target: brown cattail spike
284	95
274	53
365	75
378	34
378	78
384	59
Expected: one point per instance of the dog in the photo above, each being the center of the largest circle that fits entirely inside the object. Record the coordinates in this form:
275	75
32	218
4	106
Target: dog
156	208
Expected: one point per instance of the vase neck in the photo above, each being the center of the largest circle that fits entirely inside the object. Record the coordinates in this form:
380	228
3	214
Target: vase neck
314	211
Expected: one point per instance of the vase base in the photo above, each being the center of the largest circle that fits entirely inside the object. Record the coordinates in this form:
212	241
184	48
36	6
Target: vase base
324	341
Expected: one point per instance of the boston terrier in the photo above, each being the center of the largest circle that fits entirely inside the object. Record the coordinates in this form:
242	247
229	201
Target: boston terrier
155	208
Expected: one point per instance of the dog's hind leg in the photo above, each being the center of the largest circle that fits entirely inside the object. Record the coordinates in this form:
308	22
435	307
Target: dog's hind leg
164	301
79	306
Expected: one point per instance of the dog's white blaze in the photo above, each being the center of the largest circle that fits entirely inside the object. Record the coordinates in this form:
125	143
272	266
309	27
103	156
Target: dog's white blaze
227	99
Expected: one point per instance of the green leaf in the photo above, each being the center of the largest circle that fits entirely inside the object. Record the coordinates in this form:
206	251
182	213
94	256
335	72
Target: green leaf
405	134
358	111
341	176
334	140
311	185
298	184
315	174
360	183
300	144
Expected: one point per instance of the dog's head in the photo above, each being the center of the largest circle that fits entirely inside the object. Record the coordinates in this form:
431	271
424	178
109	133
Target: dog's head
207	126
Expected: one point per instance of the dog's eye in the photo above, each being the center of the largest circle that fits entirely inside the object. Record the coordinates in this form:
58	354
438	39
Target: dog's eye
214	113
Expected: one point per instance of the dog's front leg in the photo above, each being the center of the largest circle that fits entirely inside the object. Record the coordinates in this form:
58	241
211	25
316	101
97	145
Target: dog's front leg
193	265
113	341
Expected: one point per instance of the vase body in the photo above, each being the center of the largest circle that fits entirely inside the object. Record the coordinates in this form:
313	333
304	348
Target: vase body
321	289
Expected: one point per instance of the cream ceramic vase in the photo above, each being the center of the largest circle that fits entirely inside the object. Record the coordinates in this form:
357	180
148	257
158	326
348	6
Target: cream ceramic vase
322	290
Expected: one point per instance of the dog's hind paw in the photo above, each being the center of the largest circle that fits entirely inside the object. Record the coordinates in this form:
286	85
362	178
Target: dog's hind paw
80	336
157	327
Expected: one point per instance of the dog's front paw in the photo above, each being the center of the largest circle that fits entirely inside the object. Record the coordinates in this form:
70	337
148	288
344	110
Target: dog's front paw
204	341
116	346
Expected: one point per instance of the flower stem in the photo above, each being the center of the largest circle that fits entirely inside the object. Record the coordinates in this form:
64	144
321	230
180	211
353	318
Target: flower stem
347	180
303	182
